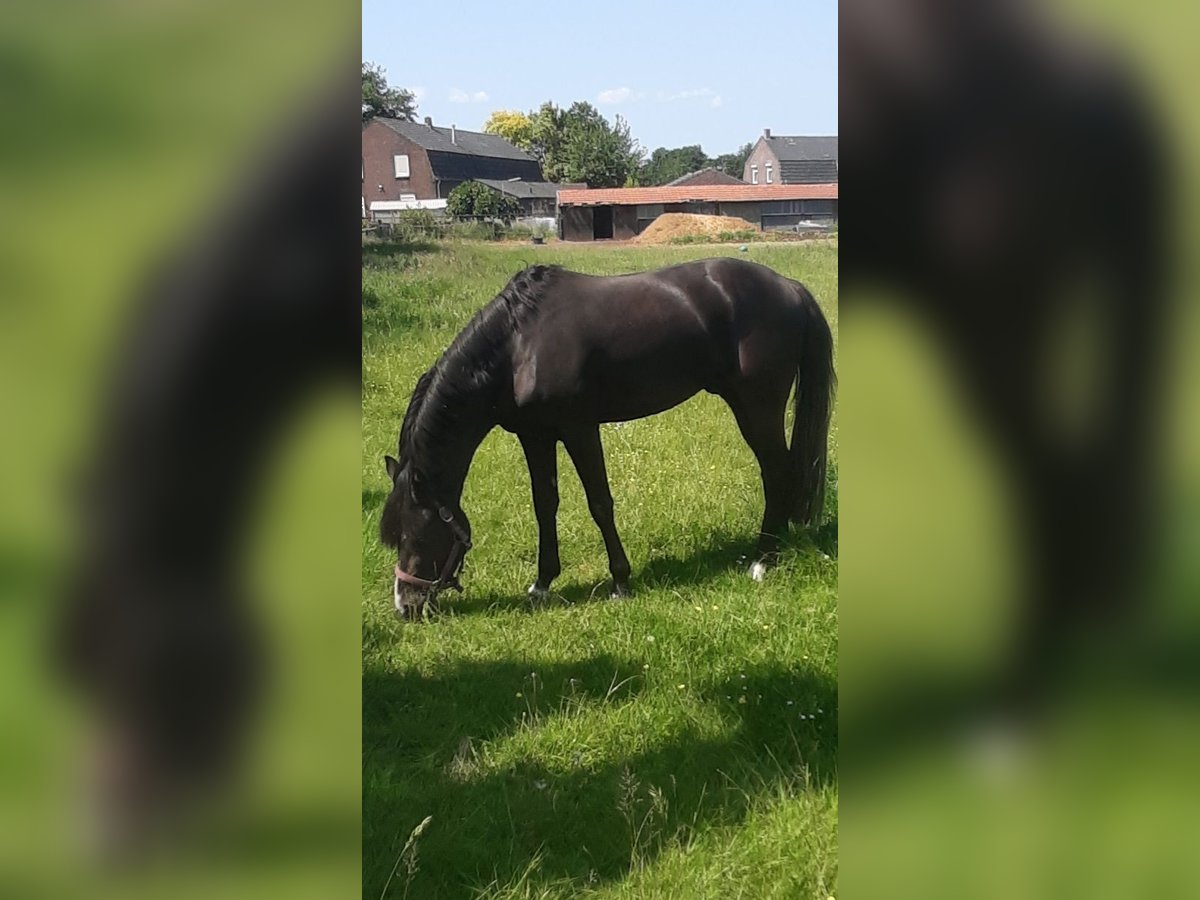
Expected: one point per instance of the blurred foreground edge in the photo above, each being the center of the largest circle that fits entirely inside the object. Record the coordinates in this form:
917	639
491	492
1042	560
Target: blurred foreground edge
1012	177
156	632
1011	193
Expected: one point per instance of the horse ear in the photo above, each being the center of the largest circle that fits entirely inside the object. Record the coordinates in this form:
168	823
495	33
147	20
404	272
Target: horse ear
393	467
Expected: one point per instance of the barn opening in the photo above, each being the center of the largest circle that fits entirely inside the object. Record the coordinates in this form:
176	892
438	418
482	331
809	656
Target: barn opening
602	222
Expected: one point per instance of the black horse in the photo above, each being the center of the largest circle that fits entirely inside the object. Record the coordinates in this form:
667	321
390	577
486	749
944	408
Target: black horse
556	353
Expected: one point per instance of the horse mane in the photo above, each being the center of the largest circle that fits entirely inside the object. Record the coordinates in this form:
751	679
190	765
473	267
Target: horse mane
467	366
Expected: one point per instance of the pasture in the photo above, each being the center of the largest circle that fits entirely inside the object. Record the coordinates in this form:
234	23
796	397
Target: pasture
679	743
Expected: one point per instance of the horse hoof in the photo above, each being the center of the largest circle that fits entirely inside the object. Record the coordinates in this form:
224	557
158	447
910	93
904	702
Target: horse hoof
538	593
619	592
758	571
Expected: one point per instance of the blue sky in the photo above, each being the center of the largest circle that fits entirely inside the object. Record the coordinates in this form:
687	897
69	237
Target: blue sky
713	74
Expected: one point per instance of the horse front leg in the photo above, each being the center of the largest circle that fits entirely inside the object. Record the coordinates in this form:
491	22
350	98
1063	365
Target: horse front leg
542	458
588	455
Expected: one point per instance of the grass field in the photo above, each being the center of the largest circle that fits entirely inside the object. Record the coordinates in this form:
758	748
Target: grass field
681	743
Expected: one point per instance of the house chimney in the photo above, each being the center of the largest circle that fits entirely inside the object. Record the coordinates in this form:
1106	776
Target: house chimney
453	138
767	133
429	121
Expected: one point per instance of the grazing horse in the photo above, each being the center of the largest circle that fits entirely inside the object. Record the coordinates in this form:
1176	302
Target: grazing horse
556	353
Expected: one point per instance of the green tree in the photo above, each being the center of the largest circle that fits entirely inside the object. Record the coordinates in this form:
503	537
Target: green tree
514	127
734	163
472	199
579	144
378	99
665	165
546	139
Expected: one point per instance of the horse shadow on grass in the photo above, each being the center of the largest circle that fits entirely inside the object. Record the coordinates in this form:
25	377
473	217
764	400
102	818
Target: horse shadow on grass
427	743
724	552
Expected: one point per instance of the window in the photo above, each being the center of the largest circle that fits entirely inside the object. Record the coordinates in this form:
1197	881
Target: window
649	210
768	173
400	160
754	174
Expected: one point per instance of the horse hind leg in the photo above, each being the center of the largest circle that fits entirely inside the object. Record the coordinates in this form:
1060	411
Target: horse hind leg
760	416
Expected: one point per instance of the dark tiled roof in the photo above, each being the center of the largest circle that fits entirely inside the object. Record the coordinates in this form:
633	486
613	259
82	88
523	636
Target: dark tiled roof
788	148
727	193
808	171
472	143
542	190
468	167
709	175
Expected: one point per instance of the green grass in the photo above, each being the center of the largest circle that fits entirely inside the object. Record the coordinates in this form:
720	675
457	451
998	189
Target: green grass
681	743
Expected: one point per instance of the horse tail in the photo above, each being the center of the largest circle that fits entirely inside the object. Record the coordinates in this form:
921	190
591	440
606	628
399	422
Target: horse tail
815	383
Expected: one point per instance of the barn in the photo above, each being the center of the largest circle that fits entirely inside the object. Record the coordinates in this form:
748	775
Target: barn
537	198
622	213
411	162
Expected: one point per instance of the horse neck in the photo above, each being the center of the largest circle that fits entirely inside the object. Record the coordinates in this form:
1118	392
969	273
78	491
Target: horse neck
457	438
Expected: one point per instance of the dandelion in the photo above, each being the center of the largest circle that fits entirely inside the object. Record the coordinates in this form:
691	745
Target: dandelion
742	699
649	639
698	608
681	686
790	702
519	694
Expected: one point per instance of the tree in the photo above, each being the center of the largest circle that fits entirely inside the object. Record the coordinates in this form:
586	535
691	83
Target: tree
515	127
546	139
378	99
665	165
579	144
472	200
734	163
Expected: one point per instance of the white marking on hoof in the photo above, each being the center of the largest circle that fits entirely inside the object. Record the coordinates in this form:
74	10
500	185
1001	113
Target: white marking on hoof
758	571
535	591
396	596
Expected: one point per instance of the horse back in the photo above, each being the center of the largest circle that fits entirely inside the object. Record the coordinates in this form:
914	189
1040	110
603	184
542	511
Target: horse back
620	347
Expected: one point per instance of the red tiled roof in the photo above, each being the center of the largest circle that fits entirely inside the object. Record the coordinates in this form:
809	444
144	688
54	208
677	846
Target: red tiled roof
705	193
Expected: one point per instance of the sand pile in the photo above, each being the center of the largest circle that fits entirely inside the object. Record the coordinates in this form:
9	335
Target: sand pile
674	225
